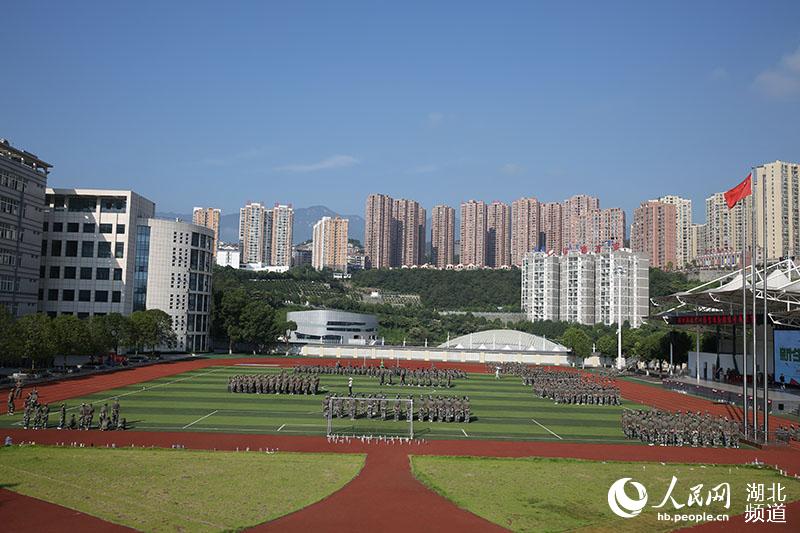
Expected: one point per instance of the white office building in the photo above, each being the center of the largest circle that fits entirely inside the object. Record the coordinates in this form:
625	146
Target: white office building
282	222
621	276
228	255
103	252
173	273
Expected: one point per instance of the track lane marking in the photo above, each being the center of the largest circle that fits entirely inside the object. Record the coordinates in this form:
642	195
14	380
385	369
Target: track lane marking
464	432
282	426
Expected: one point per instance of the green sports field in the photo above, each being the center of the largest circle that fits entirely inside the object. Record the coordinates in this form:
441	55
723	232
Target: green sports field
176	490
537	494
199	401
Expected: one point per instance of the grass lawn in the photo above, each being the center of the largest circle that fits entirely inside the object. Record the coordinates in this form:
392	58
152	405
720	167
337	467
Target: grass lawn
534	494
176	490
199	401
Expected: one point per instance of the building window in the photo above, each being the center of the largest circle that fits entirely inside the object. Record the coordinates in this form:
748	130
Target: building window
43	251
45	226
100	296
119	250
72	227
83	315
106	228
113	205
101	273
69	272
120	229
55	248
87	249
88	227
116	296
9	206
68	295
104	249
86	272
81	204
8	257
58	227
140	267
117	274
84	296
8	284
72	249
8	232
52	295
55	272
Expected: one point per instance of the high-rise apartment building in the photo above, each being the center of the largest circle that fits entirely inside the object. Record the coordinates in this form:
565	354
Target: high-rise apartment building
683	229
574	211
782	181
378	231
255	233
208	217
498	235
586	288
604	227
23	179
622	278
723	228
473	233
541	286
526	227
577	295
329	244
550	227
281	246
653	233
408	233
443	227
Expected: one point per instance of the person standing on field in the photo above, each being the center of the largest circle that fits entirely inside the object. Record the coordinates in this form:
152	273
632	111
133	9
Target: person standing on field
350	386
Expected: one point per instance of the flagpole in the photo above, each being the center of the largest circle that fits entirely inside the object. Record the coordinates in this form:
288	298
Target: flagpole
753	273
744	316
764	326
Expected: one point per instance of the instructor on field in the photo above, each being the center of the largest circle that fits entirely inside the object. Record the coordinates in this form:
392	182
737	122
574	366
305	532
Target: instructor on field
350	386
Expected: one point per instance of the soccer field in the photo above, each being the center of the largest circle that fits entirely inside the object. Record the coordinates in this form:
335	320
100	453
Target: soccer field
199	401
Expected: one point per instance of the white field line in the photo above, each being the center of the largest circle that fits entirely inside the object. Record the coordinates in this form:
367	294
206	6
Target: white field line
255	364
546	429
282	426
464	432
199	419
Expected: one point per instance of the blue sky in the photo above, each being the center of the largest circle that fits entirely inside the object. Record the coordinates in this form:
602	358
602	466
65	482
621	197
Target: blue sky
324	102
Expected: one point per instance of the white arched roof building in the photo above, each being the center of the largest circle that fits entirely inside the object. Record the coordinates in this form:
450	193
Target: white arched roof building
504	339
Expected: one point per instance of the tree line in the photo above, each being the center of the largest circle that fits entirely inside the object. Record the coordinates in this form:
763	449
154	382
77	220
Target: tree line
33	340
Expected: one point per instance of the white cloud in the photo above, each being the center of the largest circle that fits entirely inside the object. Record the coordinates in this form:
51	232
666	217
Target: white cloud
512	169
435	119
783	80
336	161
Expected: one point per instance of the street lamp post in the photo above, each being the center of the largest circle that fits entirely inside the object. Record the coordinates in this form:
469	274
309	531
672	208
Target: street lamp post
619	317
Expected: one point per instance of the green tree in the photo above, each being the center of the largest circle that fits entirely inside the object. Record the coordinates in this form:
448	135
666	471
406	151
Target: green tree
8	346
258	325
607	345
578	341
34	339
230	316
70	335
150	329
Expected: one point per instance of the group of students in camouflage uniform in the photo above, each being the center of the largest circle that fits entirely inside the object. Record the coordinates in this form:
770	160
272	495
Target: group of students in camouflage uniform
37	416
282	383
563	386
420	377
787	433
680	429
378	406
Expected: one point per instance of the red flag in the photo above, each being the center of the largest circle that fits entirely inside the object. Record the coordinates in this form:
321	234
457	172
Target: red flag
743	190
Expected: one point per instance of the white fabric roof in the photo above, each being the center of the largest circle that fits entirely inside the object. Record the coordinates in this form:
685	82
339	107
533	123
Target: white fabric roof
504	339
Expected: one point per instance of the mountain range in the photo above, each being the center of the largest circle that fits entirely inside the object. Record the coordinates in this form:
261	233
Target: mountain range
304	220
